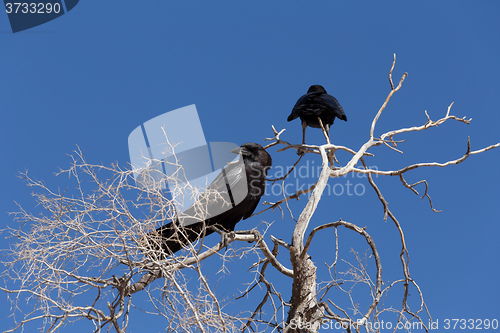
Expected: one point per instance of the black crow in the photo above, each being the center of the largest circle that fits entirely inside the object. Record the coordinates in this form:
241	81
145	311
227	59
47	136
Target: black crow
314	105
235	192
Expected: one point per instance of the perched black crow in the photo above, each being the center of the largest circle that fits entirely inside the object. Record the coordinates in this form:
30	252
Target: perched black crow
317	104
235	192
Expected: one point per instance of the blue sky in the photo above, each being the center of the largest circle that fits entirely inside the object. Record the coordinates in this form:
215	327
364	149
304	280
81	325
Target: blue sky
91	76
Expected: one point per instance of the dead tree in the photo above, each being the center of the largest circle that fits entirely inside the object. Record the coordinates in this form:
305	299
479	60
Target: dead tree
93	242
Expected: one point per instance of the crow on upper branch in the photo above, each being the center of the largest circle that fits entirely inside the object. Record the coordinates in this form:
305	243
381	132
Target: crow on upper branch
315	105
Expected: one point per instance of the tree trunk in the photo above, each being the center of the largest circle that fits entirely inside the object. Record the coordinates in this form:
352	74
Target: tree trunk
304	312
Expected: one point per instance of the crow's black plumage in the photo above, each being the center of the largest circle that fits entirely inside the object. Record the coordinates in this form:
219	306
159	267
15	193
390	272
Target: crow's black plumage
247	178
317	104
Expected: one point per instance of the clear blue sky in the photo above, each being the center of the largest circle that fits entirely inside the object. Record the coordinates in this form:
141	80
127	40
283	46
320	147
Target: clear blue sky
91	76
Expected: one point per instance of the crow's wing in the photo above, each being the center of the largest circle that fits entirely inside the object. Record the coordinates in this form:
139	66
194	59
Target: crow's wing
297	109
312	104
252	206
227	190
214	206
331	103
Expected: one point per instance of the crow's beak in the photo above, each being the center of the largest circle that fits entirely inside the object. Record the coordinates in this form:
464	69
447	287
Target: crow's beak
240	150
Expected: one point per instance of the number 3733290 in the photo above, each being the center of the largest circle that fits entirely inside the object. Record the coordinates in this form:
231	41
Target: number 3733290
478	324
32	8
